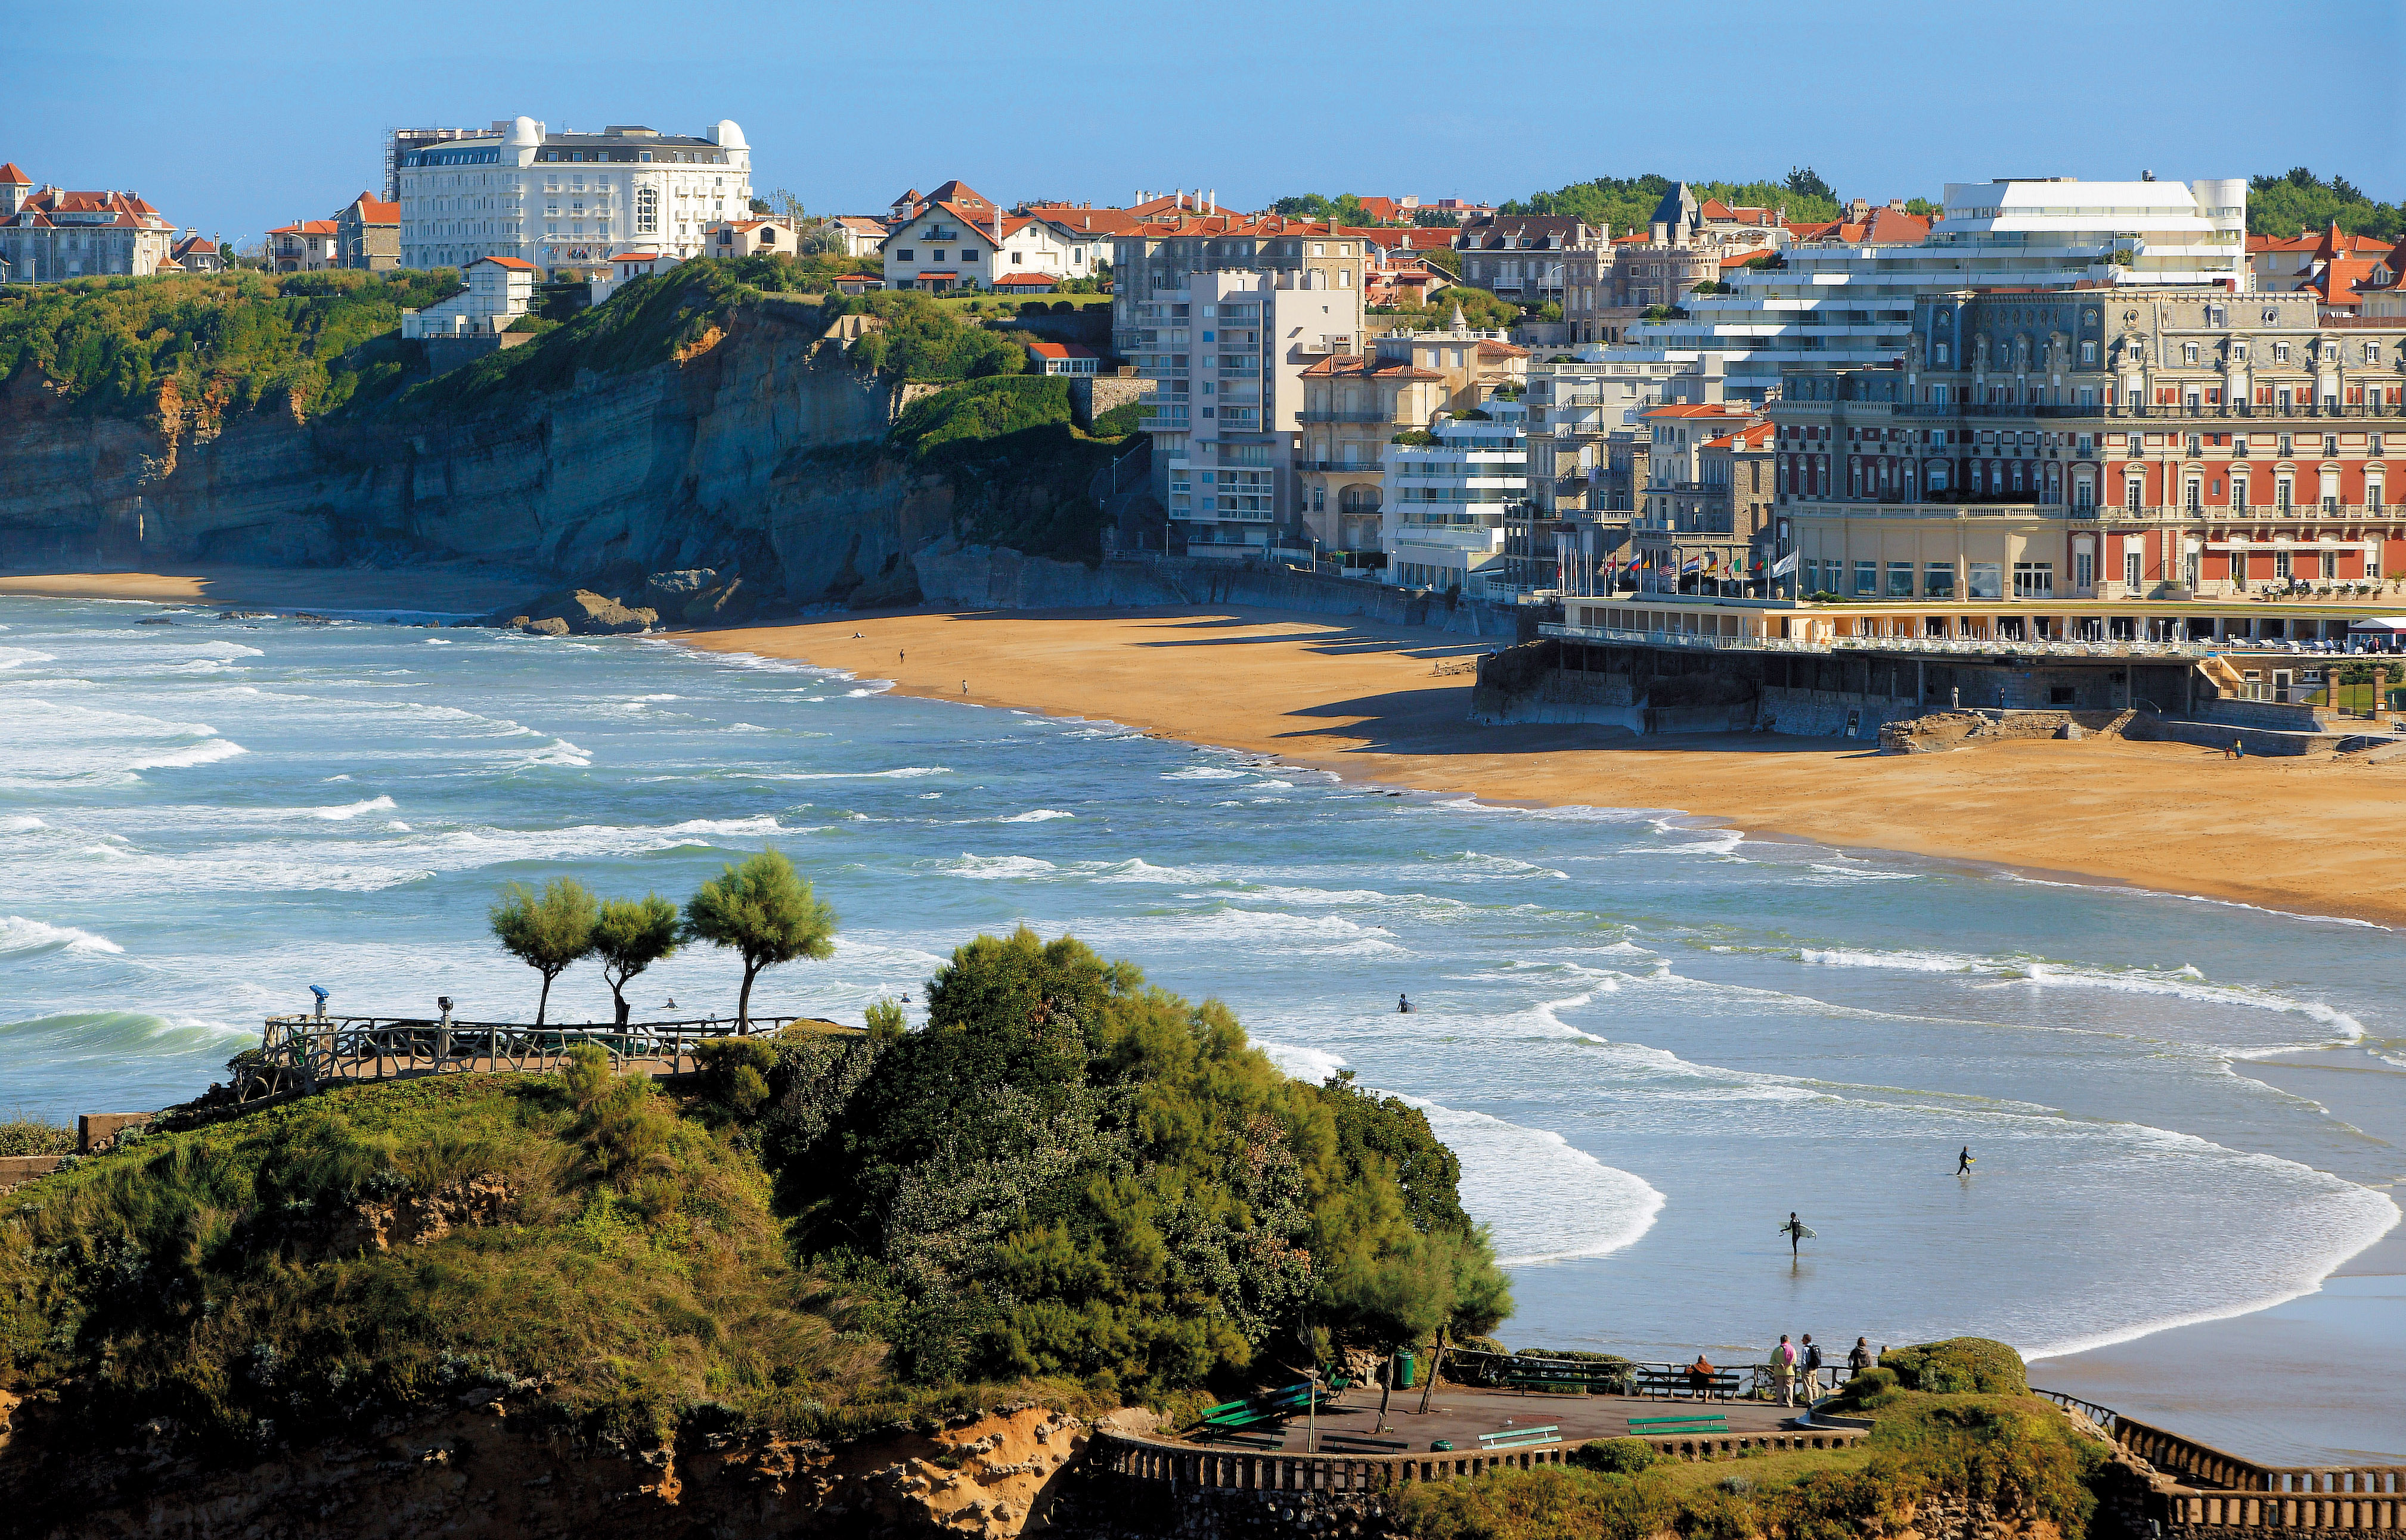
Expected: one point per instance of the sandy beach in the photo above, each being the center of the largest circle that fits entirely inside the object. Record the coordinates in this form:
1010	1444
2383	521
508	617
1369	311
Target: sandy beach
450	587
1365	702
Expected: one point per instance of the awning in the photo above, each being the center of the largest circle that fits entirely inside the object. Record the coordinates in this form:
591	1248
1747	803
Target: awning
2391	625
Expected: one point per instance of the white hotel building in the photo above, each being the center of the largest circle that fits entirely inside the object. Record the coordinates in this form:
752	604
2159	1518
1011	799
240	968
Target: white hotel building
568	203
1839	306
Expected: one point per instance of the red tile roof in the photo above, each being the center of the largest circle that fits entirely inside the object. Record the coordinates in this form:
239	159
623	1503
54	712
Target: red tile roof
1696	409
374	210
1024	281
308	227
10	175
1348	365
1501	350
1754	437
514	264
1061	350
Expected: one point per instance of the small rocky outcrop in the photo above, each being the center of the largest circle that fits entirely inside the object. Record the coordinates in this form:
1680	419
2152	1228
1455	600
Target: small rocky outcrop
579	611
420	1219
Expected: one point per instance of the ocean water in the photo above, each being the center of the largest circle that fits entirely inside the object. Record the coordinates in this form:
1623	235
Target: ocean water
1649	1041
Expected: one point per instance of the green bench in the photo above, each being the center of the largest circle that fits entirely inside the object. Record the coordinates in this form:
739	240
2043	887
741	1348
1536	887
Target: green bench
1664	1382
1275	1406
1518	1438
1649	1427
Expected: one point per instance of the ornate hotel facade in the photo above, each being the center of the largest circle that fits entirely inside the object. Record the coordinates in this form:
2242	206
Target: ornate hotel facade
2102	444
568	203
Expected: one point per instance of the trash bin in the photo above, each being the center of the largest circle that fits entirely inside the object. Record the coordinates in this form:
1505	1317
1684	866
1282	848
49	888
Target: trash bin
1406	1371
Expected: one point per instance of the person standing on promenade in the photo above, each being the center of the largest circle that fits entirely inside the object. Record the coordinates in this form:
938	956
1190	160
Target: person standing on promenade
1863	1357
1783	1368
1812	1371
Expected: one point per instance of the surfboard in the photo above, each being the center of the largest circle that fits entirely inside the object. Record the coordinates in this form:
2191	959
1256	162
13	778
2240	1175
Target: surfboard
1804	1232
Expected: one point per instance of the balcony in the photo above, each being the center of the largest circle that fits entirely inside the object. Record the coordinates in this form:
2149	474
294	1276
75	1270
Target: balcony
1343	416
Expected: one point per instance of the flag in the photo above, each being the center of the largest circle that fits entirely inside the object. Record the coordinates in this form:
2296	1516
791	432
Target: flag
1694	566
1785	566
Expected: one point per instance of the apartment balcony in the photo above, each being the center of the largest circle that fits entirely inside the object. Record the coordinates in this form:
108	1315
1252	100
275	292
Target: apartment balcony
1359	467
1344	416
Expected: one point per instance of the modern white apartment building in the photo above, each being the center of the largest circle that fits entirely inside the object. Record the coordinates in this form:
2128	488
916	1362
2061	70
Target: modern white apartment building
1848	305
1228	409
1446	501
568	203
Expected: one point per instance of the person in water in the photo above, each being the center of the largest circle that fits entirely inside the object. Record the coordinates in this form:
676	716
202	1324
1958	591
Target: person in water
1963	1162
1795	1232
1403	1005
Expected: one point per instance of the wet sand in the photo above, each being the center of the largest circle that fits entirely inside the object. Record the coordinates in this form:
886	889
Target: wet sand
450	587
1364	701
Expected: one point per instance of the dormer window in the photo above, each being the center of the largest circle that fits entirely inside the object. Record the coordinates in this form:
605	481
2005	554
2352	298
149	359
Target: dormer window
1938	352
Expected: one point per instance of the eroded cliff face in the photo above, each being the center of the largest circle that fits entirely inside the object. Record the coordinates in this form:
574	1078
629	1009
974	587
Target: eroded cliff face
755	450
494	1471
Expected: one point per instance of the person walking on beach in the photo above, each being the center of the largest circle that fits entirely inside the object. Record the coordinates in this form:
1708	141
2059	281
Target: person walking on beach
1795	1232
1783	1368
1963	1162
1812	1368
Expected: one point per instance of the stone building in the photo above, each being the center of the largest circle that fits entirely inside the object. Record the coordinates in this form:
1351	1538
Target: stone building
367	234
1522	257
49	233
2103	442
1356	403
566	202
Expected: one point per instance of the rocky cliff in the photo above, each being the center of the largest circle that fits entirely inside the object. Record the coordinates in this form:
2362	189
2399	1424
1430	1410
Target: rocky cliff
755	449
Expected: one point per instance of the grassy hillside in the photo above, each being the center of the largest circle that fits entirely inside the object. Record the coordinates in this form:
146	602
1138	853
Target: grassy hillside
235	341
1068	1182
1020	469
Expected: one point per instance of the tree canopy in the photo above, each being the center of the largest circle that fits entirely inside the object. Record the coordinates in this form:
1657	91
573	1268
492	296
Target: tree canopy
1627	203
763	911
2300	200
1070	1172
547	931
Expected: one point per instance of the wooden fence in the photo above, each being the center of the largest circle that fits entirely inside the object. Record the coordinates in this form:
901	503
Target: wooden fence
1275	1470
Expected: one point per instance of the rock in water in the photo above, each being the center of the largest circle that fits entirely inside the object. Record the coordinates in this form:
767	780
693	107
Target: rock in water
589	614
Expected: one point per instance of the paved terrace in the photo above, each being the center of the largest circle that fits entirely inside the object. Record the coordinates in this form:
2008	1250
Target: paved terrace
1461	1413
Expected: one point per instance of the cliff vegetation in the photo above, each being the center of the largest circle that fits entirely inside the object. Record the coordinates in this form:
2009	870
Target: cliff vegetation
1068	1185
230	342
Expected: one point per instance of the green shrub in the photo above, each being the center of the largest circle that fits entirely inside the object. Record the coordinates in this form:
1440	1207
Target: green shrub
1866	1392
33	1136
1615	1456
1958	1365
1120	421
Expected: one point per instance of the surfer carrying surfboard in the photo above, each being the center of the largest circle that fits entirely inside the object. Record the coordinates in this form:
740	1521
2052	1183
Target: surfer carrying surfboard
1963	1162
1795	1232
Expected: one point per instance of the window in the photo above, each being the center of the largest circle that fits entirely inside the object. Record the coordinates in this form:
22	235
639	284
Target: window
906	255
2285	494
2033	580
1899	580
2373	353
2084	571
2280	563
1866	578
1938	580
2238	494
2280	352
935	255
2088	352
1988	580
1938	352
2288	446
2134	567
2133	490
2188	354
2331	565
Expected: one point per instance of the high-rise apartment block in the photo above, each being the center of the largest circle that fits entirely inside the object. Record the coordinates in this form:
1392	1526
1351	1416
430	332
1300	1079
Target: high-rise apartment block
1226	312
567	203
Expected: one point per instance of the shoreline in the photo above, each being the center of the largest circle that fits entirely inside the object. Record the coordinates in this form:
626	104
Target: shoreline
1362	702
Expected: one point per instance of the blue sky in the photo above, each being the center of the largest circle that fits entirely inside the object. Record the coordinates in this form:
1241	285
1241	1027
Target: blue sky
235	116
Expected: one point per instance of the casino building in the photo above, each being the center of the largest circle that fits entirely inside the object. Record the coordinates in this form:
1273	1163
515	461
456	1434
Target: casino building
567	203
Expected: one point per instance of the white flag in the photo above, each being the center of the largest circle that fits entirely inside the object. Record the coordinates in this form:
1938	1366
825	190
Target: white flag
1784	566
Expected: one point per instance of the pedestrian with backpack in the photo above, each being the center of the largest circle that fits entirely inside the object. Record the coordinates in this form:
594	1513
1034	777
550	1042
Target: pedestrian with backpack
1812	1370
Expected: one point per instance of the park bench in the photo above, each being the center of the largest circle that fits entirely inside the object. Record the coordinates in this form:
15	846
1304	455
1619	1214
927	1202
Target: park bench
1559	1375
1662	1381
1272	1406
1518	1438
1654	1427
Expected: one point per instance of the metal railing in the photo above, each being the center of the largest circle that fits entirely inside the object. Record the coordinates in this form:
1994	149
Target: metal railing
301	1052
1966	646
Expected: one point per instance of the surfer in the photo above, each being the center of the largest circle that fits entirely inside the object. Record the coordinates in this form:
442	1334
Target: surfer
1795	1232
1403	1005
1963	1162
